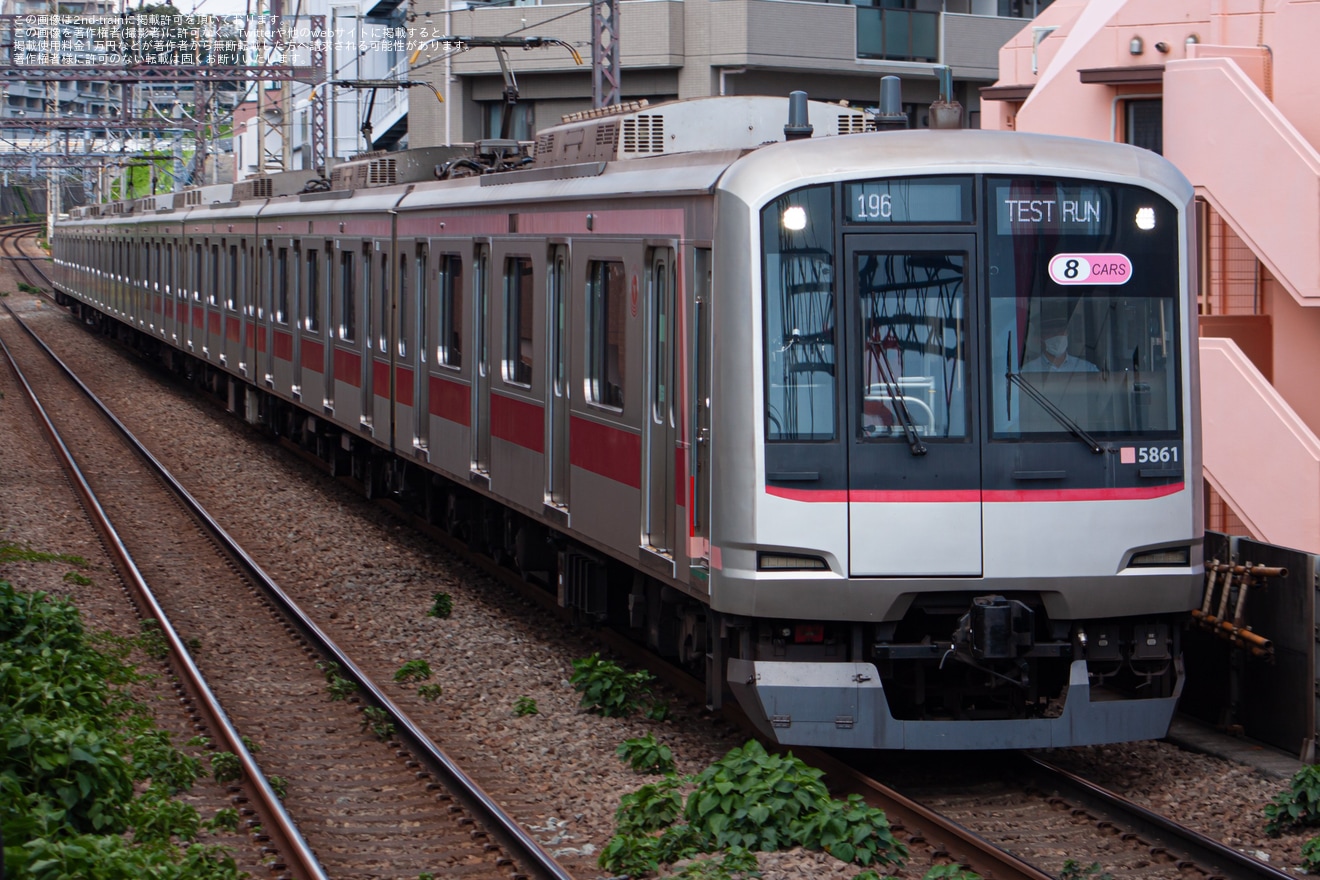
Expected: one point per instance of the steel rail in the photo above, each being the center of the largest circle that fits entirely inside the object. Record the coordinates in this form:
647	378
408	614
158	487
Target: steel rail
506	830
1174	838
275	821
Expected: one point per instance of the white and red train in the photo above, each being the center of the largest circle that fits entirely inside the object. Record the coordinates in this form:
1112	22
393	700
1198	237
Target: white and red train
894	433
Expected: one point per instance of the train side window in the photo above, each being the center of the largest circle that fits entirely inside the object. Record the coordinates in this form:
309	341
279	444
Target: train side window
282	286
518	321
347	298
311	301
449	341
606	333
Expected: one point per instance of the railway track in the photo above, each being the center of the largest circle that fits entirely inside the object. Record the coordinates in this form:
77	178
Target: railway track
354	807
1066	824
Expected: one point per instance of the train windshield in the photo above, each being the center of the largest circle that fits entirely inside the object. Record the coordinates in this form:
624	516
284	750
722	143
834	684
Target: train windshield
910	309
1082	280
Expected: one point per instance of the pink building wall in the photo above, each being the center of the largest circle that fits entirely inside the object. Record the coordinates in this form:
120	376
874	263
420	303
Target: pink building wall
1241	118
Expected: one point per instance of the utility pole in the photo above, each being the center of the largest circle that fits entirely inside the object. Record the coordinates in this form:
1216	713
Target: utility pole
605	90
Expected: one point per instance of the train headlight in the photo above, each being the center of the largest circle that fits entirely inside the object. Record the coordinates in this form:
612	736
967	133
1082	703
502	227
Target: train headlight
1169	556
795	218
1146	218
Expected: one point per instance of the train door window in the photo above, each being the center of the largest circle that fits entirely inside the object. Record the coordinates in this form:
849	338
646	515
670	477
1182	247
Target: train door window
449	337
155	266
518	321
326	297
606	333
169	268
199	272
800	348
422	292
558	287
244	297
311	297
213	290
231	297
282	286
402	308
383	326
367	290
347	298
661	283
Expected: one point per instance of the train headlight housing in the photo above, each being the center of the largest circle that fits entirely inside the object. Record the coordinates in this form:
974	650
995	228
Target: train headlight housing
1145	218
789	562
1164	558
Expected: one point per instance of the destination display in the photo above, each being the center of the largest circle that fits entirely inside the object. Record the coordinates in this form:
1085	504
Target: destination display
1032	210
910	200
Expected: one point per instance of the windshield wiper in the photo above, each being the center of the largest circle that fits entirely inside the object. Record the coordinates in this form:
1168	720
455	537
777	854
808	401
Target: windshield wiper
1059	415
900	407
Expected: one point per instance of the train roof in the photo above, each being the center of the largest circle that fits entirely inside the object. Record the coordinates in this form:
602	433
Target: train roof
778	168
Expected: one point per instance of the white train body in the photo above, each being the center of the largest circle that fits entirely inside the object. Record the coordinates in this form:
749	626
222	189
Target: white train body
893	433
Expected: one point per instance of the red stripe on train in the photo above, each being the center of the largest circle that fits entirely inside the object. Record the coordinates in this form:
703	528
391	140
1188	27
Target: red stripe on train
403	386
313	355
451	400
606	450
283	345
348	367
517	421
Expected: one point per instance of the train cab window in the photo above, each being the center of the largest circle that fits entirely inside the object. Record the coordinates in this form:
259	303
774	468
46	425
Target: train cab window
449	338
518	321
1083	311
606	333
282	286
347	318
311	296
797	234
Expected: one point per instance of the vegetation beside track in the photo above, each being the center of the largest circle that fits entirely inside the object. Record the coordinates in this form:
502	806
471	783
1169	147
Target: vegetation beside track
87	782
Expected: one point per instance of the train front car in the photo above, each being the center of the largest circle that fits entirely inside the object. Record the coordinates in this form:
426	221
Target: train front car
957	479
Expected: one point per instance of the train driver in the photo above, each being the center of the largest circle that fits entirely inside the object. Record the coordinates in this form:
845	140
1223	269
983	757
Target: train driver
1054	356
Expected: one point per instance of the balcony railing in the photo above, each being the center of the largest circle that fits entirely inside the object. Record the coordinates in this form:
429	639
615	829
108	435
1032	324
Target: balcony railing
897	34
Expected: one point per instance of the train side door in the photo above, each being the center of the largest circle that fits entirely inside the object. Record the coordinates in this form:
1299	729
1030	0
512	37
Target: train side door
481	374
914	462
557	393
699	527
658	436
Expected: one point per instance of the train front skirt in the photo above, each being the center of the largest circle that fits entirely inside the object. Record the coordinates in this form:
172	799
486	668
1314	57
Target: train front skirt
843	705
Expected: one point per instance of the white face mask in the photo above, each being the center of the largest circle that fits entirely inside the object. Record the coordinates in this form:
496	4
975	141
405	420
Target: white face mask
1056	346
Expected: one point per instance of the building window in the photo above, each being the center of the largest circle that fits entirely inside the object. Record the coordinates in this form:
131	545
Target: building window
606	334
1145	124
